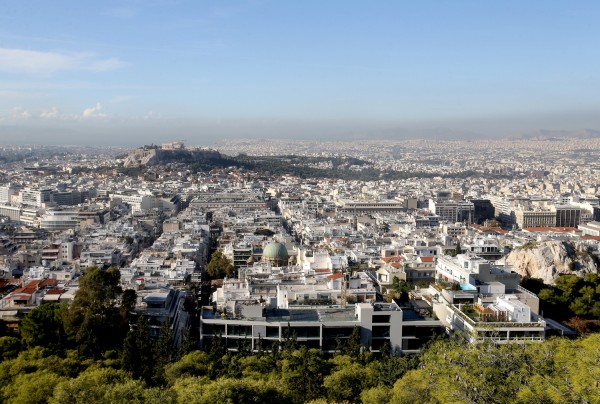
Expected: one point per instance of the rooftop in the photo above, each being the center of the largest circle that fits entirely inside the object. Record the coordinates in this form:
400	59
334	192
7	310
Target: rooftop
293	314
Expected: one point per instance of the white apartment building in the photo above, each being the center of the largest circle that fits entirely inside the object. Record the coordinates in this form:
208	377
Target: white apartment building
320	327
480	301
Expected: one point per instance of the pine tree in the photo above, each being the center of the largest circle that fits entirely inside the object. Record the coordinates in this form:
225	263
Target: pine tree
163	351
138	356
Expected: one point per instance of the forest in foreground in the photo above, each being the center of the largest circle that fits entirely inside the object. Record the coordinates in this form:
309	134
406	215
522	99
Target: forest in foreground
555	371
94	350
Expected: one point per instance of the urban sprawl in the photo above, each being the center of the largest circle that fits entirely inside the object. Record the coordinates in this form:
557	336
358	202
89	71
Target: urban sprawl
401	259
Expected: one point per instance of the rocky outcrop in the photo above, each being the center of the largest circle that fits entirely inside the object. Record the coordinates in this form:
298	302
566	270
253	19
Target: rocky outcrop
549	259
152	156
141	157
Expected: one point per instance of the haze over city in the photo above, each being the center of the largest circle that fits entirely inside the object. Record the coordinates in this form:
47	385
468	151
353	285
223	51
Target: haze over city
135	72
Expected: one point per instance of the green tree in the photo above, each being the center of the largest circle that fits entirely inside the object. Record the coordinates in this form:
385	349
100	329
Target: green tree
32	388
347	381
43	326
534	285
164	351
302	373
390	368
194	364
243	390
580	307
376	395
128	301
94	385
458	249
400	286
9	347
264	232
351	346
93	319
190	389
137	356
401	289
189	341
219	266
569	285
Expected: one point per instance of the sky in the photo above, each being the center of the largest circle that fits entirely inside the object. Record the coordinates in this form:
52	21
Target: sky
136	72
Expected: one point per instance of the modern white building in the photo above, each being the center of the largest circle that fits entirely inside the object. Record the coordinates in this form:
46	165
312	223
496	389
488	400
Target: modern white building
325	328
35	197
57	220
480	301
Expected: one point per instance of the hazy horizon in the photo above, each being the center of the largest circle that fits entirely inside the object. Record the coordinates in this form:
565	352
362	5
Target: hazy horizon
136	72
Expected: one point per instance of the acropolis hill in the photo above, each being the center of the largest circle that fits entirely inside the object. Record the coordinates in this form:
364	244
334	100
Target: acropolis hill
175	151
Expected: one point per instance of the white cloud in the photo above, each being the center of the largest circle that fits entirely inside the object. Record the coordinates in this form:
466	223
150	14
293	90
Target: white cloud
20	113
94	112
54	113
51	114
44	63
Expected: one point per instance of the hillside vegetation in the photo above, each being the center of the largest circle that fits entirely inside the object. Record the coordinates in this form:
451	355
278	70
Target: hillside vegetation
556	371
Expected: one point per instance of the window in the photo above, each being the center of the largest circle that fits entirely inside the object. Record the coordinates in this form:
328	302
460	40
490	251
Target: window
381	318
272	332
381	331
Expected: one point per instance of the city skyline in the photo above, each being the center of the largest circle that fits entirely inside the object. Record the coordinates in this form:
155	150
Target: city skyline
129	72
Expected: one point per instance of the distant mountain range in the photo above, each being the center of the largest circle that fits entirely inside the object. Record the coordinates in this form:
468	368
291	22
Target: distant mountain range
545	134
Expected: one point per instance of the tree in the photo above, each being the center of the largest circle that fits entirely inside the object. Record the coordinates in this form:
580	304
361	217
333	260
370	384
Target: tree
194	364
391	367
401	289
9	347
32	388
351	346
163	351
95	385
189	341
568	285
264	232
243	390
137	356
128	300
458	249
189	389
93	319
219	266
376	395
302	373
534	285
345	384
43	326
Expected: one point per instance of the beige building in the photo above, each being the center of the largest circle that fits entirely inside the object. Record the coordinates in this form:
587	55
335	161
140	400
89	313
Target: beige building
535	218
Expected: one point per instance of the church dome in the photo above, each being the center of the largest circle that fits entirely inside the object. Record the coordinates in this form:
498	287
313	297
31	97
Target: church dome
275	253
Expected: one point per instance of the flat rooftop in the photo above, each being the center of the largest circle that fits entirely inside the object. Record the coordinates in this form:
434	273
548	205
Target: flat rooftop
317	314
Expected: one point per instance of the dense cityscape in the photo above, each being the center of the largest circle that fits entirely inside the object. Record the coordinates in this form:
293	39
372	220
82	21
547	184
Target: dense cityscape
487	243
321	202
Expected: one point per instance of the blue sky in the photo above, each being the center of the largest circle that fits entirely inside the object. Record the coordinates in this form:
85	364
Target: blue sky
131	72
